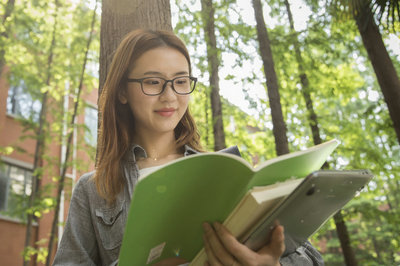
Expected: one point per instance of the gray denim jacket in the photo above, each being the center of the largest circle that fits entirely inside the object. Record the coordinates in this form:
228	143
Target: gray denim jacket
94	230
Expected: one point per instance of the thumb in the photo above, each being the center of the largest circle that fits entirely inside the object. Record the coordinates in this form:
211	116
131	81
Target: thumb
276	246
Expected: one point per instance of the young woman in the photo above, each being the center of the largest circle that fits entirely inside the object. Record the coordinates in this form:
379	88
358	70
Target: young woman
145	122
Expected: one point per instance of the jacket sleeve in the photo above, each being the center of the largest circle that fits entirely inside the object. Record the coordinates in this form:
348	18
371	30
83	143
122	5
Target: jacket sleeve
305	255
78	244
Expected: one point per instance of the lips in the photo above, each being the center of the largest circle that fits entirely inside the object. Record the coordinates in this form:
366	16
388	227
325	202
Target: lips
166	112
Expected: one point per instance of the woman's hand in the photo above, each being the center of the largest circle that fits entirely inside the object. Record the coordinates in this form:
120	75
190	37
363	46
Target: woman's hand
222	248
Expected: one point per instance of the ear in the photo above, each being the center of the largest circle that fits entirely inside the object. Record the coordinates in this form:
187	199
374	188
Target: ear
122	97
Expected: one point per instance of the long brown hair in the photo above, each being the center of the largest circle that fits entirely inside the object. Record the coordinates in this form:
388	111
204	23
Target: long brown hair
117	122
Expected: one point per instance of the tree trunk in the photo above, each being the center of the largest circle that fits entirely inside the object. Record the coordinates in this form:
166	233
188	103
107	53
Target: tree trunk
383	66
349	257
206	109
40	144
279	126
341	227
207	11
64	167
119	17
9	8
305	88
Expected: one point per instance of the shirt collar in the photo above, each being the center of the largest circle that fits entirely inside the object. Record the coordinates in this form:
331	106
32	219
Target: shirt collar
189	151
137	152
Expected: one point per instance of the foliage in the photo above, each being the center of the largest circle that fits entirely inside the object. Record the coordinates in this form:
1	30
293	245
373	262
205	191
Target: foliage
343	86
40	253
6	150
348	103
386	12
26	56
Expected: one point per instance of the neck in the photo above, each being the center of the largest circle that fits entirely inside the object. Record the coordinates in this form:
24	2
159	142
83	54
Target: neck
157	146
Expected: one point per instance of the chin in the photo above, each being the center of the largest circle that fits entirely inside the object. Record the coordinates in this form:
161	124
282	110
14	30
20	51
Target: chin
167	128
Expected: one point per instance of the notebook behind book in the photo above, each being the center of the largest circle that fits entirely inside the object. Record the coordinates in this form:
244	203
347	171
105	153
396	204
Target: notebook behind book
309	206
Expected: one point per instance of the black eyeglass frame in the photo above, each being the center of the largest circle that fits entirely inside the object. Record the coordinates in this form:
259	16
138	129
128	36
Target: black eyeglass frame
165	84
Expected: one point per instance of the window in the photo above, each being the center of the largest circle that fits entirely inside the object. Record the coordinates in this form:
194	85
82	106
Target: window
91	125
21	103
15	189
92	65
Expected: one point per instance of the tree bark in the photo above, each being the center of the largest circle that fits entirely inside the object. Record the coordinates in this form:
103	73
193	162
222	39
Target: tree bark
305	88
213	61
64	167
40	143
119	17
341	227
9	8
279	126
349	257
385	72
206	109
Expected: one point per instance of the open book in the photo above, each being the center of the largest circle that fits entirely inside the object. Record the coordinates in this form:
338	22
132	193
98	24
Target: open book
169	205
302	206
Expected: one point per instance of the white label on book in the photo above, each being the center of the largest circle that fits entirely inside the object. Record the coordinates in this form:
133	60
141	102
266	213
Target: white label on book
155	252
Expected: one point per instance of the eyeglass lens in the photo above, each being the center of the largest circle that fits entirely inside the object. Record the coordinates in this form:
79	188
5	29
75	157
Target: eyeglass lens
154	86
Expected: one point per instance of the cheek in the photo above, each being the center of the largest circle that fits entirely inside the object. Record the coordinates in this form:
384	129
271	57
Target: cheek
135	109
184	102
139	104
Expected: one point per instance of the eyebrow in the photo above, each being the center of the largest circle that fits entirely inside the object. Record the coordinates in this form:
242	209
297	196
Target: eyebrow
159	73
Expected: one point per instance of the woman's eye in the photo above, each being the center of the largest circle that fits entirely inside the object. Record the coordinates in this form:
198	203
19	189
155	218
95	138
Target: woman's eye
180	81
151	81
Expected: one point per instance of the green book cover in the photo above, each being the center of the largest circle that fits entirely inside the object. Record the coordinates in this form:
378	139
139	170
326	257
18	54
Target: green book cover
169	205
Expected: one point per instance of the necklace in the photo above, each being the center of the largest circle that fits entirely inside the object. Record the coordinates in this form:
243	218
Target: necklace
173	155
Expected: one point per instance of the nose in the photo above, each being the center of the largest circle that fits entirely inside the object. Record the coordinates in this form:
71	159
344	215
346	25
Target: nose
166	84
168	93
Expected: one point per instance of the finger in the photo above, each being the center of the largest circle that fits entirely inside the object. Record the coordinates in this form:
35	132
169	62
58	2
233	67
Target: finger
276	246
212	260
278	238
216	246
241	252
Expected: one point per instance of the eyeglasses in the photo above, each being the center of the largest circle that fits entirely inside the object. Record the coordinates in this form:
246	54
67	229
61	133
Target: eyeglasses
153	86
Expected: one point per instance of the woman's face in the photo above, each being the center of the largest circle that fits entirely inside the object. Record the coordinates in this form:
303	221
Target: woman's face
161	113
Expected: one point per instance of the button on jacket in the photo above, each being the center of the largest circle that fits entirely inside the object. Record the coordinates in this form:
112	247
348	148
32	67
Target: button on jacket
94	230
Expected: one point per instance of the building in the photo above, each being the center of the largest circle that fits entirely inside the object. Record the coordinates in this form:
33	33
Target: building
16	167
